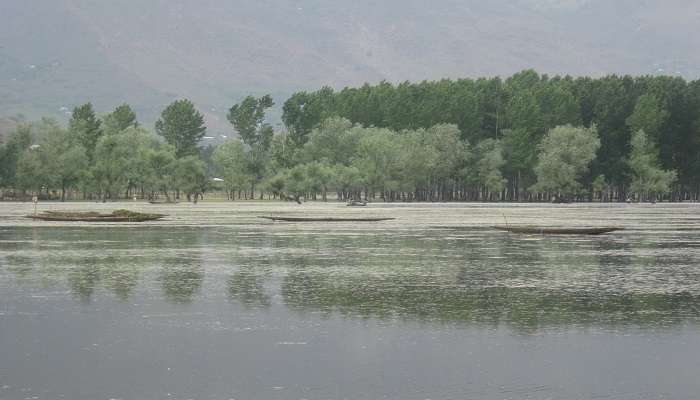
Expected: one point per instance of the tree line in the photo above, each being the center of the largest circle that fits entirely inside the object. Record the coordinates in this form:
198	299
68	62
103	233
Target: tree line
106	158
529	137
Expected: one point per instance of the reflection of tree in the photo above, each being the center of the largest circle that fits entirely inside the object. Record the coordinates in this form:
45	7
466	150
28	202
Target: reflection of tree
526	284
113	273
181	279
121	278
84	278
412	297
92	258
247	288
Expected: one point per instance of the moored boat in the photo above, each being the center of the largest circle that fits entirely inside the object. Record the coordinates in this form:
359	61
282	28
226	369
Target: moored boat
326	219
114	216
356	203
558	231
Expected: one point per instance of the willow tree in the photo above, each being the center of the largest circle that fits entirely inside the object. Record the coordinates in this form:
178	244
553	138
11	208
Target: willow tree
565	155
489	162
231	163
248	118
64	161
649	179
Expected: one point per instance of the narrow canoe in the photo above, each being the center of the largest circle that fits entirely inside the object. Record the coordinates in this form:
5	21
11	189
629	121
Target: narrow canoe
163	202
306	219
558	231
117	216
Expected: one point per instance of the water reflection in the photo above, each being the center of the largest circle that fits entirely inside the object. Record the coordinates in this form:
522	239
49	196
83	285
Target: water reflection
413	298
248	289
83	279
181	279
441	276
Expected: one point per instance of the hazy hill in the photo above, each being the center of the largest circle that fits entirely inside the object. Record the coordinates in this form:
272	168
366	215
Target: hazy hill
58	53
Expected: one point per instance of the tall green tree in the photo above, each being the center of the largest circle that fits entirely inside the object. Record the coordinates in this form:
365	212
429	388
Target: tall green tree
379	160
489	162
63	159
122	162
248	118
649	179
648	116
182	126
565	155
10	153
87	128
304	111
31	175
120	119
161	164
190	177
231	164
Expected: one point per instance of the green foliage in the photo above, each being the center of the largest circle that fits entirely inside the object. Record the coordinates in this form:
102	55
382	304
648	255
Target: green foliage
57	161
11	152
182	126
283	152
648	116
336	140
565	154
64	161
120	119
407	141
248	118
302	180
379	160
649	179
599	184
303	111
160	159
133	159
189	176
30	173
86	127
489	161
347	179
231	163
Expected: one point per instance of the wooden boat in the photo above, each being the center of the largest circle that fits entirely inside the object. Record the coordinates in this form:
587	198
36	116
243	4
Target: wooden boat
114	216
558	231
560	200
324	219
356	203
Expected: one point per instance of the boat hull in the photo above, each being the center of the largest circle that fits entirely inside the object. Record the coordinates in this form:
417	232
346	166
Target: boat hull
306	219
118	216
558	231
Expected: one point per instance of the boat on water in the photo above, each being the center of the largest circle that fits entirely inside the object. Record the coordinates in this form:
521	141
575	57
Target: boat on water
114	216
327	219
356	203
537	230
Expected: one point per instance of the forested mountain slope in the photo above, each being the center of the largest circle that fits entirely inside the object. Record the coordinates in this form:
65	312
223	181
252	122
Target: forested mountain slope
58	53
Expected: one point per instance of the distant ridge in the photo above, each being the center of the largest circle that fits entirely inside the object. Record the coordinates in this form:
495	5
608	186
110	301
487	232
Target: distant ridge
55	54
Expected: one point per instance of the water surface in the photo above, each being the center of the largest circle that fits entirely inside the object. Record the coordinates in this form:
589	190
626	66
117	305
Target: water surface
214	303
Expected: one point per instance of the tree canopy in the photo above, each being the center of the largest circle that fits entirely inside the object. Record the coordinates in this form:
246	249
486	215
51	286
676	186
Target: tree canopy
182	126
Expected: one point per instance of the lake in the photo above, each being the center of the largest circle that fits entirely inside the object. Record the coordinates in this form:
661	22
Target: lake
215	303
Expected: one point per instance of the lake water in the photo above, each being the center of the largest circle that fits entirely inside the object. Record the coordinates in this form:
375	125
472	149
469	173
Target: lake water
215	303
